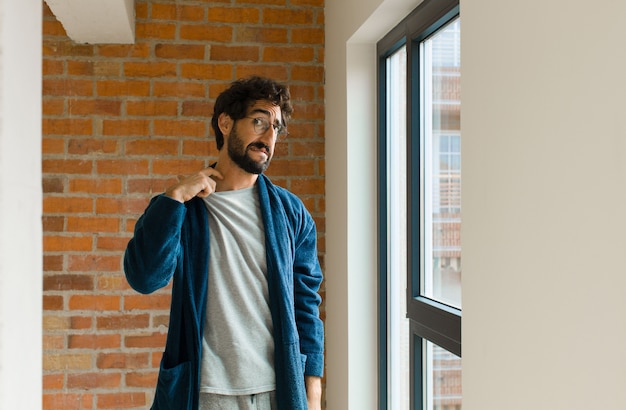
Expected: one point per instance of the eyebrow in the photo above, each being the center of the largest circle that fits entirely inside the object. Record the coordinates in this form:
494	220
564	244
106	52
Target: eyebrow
267	113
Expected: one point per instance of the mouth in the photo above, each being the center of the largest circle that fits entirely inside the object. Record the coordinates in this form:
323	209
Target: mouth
260	147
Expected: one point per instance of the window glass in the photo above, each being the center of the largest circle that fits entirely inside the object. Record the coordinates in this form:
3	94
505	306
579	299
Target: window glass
398	358
441	165
443	378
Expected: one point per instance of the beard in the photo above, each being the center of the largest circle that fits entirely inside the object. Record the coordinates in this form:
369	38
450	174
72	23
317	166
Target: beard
239	154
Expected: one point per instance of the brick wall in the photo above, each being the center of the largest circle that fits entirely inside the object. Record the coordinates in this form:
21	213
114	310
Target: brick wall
120	122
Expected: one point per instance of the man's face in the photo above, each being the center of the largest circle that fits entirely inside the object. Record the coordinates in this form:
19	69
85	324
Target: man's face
249	145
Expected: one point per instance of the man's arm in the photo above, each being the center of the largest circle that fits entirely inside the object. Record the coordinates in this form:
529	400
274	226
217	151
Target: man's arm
313	392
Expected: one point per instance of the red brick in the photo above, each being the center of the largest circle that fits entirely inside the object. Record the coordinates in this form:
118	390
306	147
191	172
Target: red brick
81	322
234	15
291	16
142	379
307	35
163	11
313	74
288	54
150	340
309	111
67	87
67	361
52	263
52	243
93	341
122	360
277	72
92	224
123	322
53	146
180	51
147	302
202	148
53	223
206	33
67	204
235	53
155	30
52	302
130	206
152	147
149	69
67	126
53	106
111	243
247	34
191	13
84	146
125	127
87	381
53	28
262	2
293	167
53	381
94	263
151	108
180	128
137	50
67	282
53	342
67	166
149	185
112	283
198	108
121	400
96	185
126	88
177	166
179	89
52	67
122	167
94	107
65	47
211	71
67	401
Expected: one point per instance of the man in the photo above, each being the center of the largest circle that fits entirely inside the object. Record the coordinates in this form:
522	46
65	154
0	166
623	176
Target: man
244	325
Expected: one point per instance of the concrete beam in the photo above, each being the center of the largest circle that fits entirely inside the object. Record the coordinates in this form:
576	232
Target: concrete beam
96	21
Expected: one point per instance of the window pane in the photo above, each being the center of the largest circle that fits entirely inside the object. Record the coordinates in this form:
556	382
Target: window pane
441	165
398	358
443	379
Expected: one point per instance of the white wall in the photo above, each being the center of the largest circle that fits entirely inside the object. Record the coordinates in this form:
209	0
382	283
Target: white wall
544	185
544	194
20	205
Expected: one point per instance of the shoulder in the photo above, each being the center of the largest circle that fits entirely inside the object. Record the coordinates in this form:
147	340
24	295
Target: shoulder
288	198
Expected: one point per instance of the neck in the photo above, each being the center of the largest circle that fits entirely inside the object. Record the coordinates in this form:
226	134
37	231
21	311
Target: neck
234	177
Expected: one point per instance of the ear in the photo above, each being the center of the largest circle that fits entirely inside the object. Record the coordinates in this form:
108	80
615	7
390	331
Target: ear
225	123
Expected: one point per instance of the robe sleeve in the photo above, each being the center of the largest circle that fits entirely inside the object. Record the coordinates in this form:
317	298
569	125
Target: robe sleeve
152	253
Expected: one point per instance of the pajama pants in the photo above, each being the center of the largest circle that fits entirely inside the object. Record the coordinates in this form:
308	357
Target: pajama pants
260	401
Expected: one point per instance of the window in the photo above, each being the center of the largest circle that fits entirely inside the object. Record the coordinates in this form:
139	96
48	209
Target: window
420	210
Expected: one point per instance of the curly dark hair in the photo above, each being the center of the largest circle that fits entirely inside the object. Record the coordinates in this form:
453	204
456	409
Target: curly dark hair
242	94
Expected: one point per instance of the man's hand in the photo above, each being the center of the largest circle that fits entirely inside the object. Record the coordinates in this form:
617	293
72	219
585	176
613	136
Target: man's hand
313	392
201	184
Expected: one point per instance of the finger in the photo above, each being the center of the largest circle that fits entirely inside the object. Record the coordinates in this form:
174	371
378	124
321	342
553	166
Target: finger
212	172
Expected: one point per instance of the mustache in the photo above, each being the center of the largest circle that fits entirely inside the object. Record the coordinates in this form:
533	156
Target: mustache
260	145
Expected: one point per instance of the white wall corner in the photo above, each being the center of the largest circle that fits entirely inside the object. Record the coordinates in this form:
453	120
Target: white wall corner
96	21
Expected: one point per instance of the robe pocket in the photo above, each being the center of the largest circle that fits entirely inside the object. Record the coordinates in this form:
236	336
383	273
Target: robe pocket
174	389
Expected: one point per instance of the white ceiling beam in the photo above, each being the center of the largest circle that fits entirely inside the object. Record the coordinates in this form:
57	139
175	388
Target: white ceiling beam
96	21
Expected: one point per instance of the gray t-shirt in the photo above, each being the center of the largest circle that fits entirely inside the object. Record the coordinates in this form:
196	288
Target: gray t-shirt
238	344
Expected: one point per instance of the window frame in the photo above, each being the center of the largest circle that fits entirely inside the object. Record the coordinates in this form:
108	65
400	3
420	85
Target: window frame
428	319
